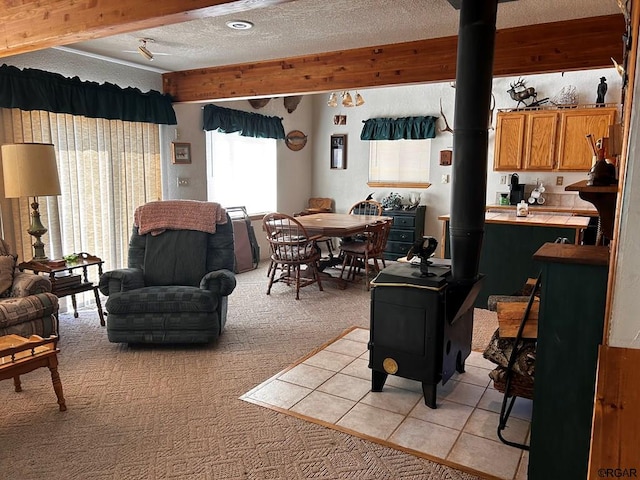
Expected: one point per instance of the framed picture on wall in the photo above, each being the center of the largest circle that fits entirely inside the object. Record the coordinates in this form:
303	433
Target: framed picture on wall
180	152
339	152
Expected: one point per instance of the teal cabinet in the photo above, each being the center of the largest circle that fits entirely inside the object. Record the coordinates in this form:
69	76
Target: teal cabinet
570	329
506	256
407	227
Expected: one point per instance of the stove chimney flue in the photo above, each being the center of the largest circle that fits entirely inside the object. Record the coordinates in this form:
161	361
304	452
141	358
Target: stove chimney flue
474	73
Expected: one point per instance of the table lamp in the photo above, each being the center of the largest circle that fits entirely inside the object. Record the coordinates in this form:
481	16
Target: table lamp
30	170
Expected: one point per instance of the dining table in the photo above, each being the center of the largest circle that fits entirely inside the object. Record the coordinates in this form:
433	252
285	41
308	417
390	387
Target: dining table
337	225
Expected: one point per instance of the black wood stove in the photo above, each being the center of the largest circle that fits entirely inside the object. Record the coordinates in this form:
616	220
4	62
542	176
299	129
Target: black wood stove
414	331
421	326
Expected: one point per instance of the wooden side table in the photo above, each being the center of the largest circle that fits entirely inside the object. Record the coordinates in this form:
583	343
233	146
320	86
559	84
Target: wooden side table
19	355
70	278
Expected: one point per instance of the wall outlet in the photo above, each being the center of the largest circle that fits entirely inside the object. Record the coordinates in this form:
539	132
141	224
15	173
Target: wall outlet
559	180
503	179
183	182
445	178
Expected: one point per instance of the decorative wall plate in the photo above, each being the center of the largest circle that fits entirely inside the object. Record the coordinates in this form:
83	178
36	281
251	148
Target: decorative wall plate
258	103
295	140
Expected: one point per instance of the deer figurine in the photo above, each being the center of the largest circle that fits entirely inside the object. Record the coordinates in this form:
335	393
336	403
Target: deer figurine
519	92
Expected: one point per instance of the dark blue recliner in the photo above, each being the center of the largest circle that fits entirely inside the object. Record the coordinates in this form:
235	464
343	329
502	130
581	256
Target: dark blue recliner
175	289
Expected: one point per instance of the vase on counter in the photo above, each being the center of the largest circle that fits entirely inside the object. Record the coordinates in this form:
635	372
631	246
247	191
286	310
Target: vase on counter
522	209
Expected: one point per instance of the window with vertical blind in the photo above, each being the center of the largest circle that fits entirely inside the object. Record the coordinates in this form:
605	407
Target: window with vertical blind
106	167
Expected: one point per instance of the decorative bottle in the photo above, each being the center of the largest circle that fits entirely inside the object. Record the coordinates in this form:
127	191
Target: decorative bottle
522	209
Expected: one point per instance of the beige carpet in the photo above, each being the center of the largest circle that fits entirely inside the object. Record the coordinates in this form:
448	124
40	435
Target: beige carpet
175	412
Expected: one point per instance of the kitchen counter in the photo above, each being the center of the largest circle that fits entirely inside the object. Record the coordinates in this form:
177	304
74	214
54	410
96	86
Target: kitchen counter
509	243
580	211
536	218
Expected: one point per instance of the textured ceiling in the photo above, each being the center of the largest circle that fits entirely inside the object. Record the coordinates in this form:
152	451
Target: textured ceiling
304	27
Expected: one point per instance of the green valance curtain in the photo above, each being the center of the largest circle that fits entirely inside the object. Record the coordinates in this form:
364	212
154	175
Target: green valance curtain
227	120
407	128
31	89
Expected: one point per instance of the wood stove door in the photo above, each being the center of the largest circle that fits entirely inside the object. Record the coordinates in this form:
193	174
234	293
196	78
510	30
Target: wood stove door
456	345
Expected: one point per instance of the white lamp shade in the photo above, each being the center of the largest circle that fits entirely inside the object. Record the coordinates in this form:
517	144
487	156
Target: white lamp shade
30	170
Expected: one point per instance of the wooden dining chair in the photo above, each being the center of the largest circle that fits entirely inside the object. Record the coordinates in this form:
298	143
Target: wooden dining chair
320	205
357	254
366	207
291	250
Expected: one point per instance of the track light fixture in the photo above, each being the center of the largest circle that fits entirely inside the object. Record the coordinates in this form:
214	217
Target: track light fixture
346	99
142	49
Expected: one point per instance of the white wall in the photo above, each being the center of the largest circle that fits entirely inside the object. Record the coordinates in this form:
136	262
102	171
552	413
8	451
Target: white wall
188	129
625	321
350	185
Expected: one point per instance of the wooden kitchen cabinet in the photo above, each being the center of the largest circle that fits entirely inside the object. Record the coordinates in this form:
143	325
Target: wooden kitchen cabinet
510	129
549	139
540	140
573	150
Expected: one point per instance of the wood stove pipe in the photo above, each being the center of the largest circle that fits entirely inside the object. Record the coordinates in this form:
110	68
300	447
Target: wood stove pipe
474	73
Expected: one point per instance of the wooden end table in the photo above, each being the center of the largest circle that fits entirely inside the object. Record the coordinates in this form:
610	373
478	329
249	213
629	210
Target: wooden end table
19	355
69	278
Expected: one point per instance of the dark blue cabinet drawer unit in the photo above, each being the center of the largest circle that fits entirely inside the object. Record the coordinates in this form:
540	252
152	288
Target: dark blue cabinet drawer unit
408	225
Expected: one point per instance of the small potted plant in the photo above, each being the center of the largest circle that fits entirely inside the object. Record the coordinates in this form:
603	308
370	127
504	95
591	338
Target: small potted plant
71	259
393	201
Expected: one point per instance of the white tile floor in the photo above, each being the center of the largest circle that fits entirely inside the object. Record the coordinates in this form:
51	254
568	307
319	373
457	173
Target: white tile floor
333	387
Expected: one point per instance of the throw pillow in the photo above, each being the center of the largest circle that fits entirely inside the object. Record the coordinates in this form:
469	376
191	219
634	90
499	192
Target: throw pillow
7	269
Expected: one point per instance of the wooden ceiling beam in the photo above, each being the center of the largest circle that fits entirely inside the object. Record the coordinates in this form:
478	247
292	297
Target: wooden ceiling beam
551	47
30	25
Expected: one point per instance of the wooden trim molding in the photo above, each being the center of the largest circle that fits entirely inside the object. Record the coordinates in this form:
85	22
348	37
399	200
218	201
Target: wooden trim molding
399	184
552	47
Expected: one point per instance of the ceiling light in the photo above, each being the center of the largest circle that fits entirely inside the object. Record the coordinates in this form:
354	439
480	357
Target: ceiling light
239	25
142	49
347	101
